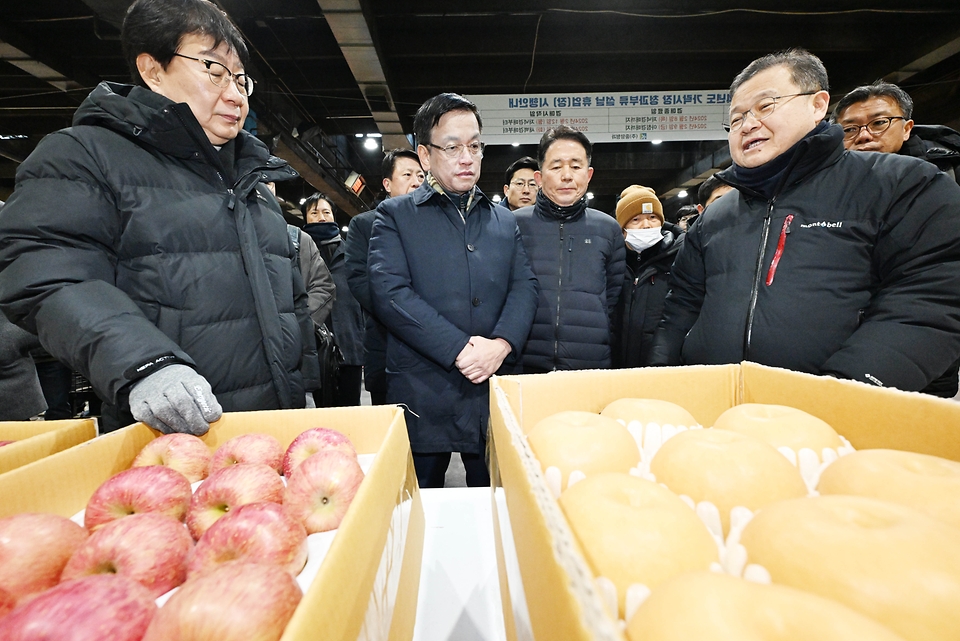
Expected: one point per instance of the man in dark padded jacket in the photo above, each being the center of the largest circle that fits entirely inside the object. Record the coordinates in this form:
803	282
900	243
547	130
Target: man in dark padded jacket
577	254
823	260
169	282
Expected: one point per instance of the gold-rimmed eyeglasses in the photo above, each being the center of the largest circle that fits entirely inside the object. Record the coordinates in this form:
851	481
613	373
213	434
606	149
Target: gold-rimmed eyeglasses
763	108
220	75
454	151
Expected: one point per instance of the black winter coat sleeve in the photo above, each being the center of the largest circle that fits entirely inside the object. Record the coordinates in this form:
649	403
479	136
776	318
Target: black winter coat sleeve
616	268
355	249
81	317
910	332
682	305
521	304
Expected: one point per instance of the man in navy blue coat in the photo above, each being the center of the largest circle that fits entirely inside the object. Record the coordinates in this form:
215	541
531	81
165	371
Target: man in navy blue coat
451	282
401	175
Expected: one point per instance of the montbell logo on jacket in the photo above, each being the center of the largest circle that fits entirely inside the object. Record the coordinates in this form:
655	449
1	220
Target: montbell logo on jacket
823	223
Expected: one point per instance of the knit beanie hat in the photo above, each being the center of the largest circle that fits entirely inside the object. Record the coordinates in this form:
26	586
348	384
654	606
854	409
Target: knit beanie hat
635	200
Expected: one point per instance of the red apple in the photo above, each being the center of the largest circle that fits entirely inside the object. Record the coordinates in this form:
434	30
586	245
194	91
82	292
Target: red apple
322	488
310	442
256	533
33	550
249	448
236	601
94	608
228	489
156	488
149	548
185	453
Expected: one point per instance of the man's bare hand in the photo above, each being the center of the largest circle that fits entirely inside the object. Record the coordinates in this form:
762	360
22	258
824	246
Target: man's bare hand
481	357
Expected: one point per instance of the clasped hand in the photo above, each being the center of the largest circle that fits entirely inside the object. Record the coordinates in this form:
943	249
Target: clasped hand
481	357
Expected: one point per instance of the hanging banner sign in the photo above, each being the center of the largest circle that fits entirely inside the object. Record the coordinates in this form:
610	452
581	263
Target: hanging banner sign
605	117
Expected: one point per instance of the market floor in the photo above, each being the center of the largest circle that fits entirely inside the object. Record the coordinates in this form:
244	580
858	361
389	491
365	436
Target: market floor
456	475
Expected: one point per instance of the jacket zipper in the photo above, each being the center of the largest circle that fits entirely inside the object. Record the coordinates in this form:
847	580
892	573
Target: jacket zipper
776	256
756	279
556	327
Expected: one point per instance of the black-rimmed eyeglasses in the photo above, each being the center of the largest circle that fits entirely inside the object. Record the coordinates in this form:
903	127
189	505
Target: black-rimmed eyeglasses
875	127
220	75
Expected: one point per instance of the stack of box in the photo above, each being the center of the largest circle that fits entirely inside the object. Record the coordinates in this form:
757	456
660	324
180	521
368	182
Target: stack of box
33	440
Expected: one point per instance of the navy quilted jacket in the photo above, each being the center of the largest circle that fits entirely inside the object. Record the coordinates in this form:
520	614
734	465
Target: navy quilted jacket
579	265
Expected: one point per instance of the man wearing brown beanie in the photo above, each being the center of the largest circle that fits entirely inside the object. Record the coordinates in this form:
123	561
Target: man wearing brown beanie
652	245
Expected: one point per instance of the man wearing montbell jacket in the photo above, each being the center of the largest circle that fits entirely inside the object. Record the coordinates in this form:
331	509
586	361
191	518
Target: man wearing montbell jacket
823	260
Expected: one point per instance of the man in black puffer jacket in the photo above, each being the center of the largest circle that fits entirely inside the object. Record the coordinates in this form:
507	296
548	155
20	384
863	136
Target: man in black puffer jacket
879	117
822	260
142	246
577	254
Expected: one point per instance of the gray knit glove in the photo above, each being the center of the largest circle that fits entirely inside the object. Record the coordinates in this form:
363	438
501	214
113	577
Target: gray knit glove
175	399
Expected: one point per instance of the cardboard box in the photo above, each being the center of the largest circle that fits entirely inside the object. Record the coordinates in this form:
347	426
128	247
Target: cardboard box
560	600
36	439
366	587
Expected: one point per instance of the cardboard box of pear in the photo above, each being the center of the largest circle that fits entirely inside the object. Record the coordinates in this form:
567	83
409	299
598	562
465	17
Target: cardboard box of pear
557	598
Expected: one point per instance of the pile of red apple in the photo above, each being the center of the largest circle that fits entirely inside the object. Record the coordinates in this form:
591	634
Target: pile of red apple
234	546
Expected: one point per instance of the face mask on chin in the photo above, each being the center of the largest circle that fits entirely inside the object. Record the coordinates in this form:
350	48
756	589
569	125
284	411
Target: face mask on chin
640	239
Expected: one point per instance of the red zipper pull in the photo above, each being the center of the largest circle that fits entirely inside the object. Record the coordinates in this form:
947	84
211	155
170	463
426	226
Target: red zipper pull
776	256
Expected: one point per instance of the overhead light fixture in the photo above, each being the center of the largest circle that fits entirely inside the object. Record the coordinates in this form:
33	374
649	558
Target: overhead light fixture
589	195
514	144
656	141
682	194
371	144
374	135
358	135
303	200
497	198
344	229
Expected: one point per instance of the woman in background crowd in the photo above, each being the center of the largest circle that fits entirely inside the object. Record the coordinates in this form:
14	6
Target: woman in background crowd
346	321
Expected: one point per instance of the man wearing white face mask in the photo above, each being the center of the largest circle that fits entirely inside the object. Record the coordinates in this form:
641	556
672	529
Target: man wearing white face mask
652	245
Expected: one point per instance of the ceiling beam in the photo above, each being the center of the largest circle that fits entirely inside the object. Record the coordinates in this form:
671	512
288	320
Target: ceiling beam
924	62
111	11
313	171
349	27
23	61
